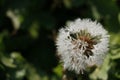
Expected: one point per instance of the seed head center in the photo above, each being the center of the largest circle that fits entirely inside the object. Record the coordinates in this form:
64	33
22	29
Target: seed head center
84	42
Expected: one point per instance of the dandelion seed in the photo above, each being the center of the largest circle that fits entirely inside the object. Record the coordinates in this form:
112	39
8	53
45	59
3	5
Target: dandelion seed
83	43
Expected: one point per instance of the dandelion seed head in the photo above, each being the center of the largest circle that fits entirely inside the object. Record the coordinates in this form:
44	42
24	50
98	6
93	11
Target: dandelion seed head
82	43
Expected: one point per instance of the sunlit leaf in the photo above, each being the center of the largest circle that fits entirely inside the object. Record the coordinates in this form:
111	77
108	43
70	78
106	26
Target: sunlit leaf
101	73
58	70
7	61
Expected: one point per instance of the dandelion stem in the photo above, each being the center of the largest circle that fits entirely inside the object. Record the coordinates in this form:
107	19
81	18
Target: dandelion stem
65	77
68	75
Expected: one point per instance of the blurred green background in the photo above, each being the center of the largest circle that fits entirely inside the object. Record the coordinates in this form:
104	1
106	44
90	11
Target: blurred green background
28	29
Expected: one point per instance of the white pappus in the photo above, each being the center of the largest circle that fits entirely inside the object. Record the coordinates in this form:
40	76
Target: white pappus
82	43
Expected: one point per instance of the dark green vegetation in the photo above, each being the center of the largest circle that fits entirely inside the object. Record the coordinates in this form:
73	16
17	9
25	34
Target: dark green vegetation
28	29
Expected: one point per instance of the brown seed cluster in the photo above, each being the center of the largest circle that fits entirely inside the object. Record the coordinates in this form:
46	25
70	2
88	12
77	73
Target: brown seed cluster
83	35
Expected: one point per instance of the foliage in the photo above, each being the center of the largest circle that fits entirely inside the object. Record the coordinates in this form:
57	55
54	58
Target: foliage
28	29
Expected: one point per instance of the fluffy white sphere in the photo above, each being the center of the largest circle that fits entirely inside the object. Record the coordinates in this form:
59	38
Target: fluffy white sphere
82	43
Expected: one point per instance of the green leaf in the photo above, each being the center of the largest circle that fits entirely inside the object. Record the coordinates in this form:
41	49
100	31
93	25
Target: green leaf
58	70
